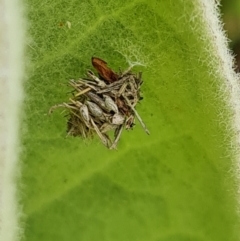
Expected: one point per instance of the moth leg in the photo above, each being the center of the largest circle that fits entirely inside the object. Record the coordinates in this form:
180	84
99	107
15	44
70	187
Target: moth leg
82	92
117	135
100	83
137	115
64	105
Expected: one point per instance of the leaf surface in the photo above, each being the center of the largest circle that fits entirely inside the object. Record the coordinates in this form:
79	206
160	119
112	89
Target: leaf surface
173	185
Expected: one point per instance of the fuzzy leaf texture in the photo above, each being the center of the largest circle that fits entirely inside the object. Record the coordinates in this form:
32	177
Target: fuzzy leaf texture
176	184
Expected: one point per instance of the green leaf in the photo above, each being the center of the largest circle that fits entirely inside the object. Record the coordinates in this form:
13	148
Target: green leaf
173	185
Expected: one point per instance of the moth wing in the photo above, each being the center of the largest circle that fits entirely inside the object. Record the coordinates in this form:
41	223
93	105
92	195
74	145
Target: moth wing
97	61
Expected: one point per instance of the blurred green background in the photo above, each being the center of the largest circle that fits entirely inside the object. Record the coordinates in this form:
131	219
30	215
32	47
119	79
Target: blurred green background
231	18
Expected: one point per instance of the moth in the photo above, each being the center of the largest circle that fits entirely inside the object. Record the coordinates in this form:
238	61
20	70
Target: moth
103	70
104	103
